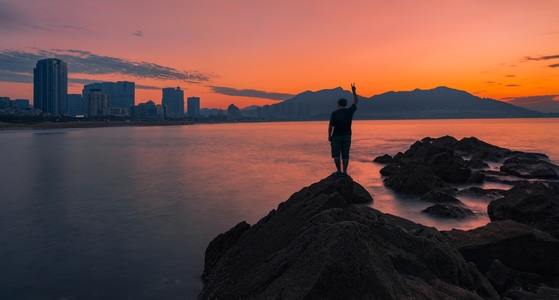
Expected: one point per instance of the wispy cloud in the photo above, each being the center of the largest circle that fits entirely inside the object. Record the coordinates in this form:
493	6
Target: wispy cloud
138	33
82	81
547	57
250	93
17	66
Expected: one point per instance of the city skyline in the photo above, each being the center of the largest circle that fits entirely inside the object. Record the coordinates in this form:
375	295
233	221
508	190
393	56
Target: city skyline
251	53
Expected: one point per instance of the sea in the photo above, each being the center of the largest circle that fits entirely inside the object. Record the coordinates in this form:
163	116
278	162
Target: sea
127	212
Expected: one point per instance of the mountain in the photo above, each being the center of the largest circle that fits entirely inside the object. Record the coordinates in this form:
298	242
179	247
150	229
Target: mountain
437	103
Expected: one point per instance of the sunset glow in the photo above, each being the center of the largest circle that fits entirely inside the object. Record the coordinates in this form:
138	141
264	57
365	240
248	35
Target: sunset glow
260	52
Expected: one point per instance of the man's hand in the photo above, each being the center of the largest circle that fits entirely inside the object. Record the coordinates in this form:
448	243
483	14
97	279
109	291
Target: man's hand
355	100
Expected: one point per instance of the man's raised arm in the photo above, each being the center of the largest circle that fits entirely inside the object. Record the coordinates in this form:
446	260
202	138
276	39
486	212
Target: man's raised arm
355	100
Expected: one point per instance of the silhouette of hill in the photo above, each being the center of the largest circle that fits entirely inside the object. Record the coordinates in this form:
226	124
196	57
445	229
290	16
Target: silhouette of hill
438	103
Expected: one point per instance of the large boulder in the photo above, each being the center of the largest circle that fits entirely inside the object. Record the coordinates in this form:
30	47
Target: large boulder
415	179
530	168
531	203
516	245
321	244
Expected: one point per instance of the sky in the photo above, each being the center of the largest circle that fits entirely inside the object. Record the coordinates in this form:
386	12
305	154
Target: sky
254	52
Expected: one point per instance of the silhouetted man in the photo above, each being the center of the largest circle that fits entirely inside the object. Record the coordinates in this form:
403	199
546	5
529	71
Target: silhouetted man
339	133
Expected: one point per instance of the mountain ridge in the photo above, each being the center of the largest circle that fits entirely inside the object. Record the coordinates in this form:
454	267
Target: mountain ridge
437	103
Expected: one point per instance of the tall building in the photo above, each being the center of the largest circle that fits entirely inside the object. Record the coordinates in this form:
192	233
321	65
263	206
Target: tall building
193	104
98	103
50	86
77	105
173	98
121	93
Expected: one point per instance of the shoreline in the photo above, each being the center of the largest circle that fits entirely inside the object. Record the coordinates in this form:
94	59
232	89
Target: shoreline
70	125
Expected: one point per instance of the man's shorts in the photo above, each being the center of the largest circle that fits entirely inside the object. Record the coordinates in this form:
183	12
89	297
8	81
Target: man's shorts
340	144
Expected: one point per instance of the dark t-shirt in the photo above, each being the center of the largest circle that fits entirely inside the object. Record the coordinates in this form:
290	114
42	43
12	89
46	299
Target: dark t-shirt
340	119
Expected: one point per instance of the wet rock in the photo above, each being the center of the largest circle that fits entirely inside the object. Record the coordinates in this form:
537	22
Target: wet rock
476	164
448	211
384	159
484	194
320	245
530	168
389	169
532	203
480	150
414	179
439	197
516	245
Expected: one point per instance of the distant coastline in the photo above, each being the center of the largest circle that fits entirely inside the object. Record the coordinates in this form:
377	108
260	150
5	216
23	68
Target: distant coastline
65	125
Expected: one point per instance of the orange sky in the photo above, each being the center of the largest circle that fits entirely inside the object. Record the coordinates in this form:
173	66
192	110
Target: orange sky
259	52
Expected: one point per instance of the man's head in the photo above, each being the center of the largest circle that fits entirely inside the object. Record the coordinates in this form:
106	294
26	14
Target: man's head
342	102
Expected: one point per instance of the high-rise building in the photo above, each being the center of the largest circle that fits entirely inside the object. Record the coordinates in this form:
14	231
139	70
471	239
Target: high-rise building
173	99
50	86
121	93
193	104
77	105
98	103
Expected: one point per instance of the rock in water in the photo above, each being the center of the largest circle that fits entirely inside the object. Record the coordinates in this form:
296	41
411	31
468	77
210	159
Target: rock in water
320	244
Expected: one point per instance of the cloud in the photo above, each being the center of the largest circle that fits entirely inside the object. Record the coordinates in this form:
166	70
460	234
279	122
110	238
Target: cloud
17	66
9	16
513	85
544	103
138	33
250	93
548	57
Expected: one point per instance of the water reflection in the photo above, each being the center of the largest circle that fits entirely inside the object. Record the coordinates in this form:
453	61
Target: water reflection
127	212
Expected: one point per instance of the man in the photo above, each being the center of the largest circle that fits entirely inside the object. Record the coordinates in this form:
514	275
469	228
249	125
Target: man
339	133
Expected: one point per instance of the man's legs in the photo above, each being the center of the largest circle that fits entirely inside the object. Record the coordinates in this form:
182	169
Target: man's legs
337	163
346	143
345	163
336	144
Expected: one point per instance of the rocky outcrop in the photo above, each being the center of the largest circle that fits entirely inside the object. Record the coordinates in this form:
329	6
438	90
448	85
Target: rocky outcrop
532	203
320	244
437	165
513	256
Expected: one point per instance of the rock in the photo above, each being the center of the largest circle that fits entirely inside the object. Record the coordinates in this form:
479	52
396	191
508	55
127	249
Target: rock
384	159
220	244
531	203
476	164
414	179
528	155
389	169
319	244
439	197
448	211
480	150
484	288
516	245
505	279
484	194
530	168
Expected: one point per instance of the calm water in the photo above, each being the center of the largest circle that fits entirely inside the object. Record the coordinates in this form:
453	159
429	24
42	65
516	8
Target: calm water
126	213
